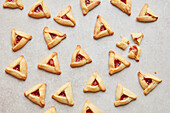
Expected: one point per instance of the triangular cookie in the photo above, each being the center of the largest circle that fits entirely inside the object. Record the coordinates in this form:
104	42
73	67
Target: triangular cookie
124	5
146	15
137	37
94	84
13	4
124	42
50	64
19	39
134	52
87	5
90	108
116	63
123	96
18	68
80	57
65	17
51	110
39	10
64	94
53	37
148	82
102	28
37	94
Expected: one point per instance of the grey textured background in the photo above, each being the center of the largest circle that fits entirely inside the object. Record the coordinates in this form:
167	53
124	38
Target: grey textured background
154	57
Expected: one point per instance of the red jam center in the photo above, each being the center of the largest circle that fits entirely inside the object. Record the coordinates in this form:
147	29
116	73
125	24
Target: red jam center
10	0
89	111
65	17
38	9
62	94
124	1
87	2
148	81
53	35
123	97
95	83
134	48
51	62
79	58
36	93
117	63
17	67
102	28
18	38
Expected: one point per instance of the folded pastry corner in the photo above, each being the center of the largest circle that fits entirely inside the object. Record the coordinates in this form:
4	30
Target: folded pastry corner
148	82
124	5
94	84
65	17
80	57
37	94
146	15
102	28
123	96
39	10
87	5
18	68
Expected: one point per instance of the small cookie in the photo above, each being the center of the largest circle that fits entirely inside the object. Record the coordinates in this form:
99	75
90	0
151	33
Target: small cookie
37	94
102	28
18	68
134	52
123	96
146	15
116	63
148	82
87	5
124	5
94	84
124	42
64	94
65	17
90	108
19	39
13	4
50	64
137	37
39	10
51	110
80	57
53	37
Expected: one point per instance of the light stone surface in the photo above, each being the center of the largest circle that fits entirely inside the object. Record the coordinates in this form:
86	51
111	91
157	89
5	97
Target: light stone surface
154	57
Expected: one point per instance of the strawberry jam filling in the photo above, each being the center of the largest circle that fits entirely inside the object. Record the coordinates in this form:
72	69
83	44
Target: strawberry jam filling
134	48
62	94
117	63
17	67
95	83
148	80
38	9
18	39
36	93
65	17
51	62
87	2
89	110
102	28
79	57
147	14
10	0
53	35
124	1
123	97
